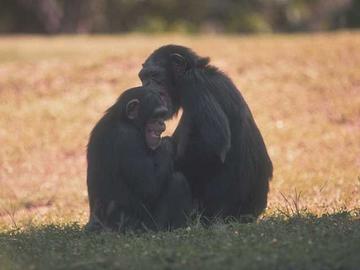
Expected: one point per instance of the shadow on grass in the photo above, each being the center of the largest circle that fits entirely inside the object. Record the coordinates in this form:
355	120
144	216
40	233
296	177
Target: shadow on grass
305	241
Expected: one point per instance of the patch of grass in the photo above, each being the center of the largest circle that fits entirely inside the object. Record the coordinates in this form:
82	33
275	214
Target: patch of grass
275	242
304	92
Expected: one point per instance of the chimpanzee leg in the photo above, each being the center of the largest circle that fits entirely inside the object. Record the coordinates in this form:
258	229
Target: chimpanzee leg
228	195
98	216
174	206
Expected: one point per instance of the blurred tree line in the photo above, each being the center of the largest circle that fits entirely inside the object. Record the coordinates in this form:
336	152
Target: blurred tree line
229	16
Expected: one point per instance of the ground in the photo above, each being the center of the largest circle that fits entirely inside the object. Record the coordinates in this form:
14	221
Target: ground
304	92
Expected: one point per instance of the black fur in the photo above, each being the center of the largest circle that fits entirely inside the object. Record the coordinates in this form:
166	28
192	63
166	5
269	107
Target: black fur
220	150
131	186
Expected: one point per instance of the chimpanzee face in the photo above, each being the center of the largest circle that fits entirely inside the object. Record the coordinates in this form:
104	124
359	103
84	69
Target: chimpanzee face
154	127
165	70
162	72
154	75
148	113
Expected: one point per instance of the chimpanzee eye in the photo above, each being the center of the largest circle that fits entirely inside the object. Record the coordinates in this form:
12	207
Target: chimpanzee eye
154	75
157	77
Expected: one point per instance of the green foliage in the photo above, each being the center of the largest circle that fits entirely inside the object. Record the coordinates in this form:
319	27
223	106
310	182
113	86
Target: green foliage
172	15
353	15
248	23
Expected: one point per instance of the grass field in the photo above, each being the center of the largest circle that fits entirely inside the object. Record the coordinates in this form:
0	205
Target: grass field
304	92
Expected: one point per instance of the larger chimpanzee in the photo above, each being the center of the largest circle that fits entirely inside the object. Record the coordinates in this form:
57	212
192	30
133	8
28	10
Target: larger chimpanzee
219	148
130	177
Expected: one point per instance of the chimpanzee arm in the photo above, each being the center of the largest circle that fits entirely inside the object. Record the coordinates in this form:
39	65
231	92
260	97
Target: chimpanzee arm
181	135
206	114
213	125
143	171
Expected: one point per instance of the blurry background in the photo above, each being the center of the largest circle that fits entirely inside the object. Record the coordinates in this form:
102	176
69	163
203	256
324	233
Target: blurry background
224	16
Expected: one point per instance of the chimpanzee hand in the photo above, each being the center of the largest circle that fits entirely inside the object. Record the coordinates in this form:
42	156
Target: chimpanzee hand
164	154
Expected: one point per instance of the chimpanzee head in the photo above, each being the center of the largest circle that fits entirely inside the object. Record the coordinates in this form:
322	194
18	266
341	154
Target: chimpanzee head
164	69
145	109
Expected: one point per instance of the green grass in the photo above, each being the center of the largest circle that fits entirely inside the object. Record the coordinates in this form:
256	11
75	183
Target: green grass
304	92
276	242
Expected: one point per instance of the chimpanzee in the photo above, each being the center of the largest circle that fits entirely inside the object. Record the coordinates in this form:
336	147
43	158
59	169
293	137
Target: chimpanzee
130	177
219	148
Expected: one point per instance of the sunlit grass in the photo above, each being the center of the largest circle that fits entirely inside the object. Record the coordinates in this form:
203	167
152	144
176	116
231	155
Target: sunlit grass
304	92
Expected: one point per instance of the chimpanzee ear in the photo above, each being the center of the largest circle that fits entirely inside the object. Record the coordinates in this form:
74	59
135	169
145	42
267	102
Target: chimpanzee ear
132	108
178	63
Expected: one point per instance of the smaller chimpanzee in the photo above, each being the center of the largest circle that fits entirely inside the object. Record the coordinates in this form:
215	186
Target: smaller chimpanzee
130	177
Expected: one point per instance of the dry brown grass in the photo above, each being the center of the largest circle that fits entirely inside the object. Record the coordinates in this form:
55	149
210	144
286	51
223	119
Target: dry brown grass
304	92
